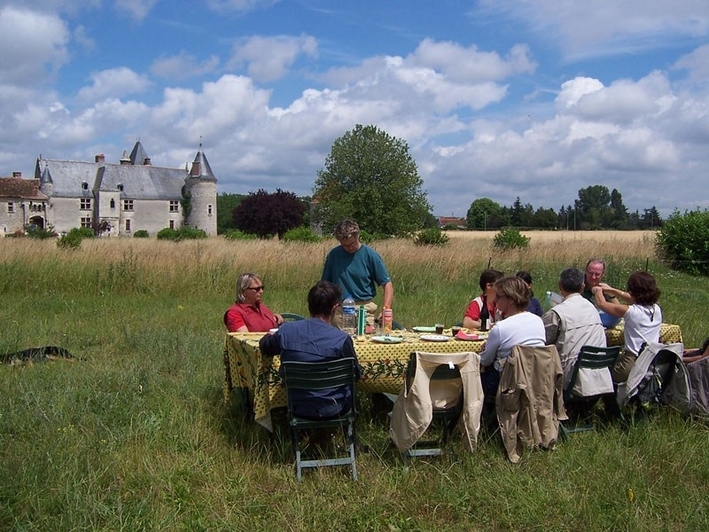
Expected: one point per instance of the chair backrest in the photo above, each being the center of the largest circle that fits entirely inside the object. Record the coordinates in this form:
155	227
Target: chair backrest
319	375
289	316
595	359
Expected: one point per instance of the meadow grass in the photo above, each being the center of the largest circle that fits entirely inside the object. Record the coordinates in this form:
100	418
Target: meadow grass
136	436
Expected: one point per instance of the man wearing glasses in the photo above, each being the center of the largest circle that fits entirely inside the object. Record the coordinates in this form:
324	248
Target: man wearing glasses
249	313
357	269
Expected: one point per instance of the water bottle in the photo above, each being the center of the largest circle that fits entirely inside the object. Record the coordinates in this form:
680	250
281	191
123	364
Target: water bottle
349	316
553	299
387	320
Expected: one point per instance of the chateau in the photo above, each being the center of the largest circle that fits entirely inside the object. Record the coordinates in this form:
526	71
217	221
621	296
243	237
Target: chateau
120	198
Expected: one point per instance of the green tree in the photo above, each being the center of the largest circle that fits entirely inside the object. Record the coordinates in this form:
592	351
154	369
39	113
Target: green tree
620	212
371	177
265	214
226	203
484	213
593	207
545	218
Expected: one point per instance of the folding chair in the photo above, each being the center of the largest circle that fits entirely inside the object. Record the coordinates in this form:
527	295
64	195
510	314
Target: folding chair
439	396
289	316
590	380
313	376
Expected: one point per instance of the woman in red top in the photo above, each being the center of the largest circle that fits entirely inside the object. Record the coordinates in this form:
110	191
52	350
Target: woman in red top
249	313
483	306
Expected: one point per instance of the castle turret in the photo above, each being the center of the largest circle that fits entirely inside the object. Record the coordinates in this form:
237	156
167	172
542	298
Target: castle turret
46	185
201	189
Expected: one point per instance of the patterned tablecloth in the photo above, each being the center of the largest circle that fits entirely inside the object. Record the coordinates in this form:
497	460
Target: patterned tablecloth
383	365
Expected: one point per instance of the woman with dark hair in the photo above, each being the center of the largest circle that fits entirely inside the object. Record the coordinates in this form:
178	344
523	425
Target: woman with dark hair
642	316
535	306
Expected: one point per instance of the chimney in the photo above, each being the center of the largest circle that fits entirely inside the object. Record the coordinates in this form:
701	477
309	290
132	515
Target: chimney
146	161
16	174
100	158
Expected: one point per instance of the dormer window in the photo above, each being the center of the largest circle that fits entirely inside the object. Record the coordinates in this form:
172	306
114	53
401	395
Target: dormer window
85	185
120	187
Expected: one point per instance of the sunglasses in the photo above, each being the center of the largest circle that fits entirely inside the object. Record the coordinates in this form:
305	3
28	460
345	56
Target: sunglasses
257	288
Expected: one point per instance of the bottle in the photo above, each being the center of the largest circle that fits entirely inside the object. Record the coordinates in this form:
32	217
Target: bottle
361	321
553	299
483	323
349	316
387	320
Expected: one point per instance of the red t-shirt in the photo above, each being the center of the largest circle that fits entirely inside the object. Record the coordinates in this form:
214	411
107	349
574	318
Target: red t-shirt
257	318
475	307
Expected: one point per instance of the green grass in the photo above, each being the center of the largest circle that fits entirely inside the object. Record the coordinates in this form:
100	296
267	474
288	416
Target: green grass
136	436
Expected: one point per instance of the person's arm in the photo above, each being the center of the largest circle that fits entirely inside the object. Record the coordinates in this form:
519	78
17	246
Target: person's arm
388	298
471	319
614	293
269	345
551	326
234	321
617	310
695	355
490	347
279	319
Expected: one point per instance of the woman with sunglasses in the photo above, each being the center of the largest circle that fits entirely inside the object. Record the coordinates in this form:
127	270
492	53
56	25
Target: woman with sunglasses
249	313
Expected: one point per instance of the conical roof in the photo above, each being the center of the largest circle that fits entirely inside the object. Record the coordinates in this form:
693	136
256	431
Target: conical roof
200	167
139	155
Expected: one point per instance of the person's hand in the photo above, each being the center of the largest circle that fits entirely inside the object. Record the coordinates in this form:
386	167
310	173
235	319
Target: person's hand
279	319
604	286
596	289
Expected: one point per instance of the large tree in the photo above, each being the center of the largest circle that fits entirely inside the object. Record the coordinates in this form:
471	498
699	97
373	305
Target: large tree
485	213
267	214
226	203
371	177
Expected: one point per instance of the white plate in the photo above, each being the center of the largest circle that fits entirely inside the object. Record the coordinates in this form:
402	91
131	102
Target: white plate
435	337
387	339
424	329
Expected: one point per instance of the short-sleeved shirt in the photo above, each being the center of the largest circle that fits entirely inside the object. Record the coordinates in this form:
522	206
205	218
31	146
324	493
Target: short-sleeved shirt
475	309
358	273
524	328
642	324
257	318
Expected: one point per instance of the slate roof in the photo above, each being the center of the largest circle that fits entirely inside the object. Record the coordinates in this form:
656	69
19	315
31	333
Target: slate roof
17	187
200	167
142	182
68	177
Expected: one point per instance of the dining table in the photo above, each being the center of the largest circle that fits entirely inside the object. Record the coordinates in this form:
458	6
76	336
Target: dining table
383	361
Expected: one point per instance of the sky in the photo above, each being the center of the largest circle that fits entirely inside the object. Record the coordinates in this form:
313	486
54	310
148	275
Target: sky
500	99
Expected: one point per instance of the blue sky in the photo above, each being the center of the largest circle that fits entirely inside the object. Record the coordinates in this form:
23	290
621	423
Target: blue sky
500	99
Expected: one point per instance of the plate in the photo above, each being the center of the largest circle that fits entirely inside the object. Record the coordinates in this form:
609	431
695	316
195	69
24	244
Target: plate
387	339
435	337
424	329
468	337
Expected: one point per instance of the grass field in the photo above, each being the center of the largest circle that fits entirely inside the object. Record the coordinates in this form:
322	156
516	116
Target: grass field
136	436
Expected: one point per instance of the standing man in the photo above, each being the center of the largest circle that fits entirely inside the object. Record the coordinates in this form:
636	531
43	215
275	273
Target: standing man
315	340
595	270
573	323
357	269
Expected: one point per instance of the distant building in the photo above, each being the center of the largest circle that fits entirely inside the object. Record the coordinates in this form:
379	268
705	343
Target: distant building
444	221
124	197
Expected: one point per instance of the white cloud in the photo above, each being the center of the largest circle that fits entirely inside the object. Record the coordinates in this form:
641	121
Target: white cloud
183	66
33	45
137	9
240	5
269	58
697	63
115	82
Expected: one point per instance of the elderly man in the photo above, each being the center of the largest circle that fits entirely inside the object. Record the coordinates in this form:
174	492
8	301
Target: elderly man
573	323
595	270
357	269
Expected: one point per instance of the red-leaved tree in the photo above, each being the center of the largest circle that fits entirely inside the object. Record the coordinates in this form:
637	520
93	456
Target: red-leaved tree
265	214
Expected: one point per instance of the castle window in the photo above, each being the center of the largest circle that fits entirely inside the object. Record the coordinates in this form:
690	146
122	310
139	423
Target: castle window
10	207
113	203
85	185
120	187
128	225
127	204
172	224
85	204
174	206
86	222
209	210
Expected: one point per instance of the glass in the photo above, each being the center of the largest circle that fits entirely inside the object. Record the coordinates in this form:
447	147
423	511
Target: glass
439	328
257	288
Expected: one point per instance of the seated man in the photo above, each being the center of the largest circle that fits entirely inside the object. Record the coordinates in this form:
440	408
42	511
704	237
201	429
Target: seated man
315	340
595	270
573	323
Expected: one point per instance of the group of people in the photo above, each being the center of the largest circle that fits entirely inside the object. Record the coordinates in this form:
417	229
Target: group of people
506	306
576	321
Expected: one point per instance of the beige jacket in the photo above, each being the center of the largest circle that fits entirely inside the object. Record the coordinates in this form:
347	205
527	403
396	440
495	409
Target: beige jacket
530	399
413	409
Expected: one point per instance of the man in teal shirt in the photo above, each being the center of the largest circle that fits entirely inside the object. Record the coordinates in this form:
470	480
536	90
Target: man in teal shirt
357	269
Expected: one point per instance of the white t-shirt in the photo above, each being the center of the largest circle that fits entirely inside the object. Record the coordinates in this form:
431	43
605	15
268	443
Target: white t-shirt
642	324
524	328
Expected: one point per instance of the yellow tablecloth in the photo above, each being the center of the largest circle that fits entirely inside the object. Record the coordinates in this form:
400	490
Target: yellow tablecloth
383	365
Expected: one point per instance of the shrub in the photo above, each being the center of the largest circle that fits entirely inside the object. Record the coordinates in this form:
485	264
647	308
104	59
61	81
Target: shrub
72	239
431	237
141	233
510	238
683	241
235	234
183	233
85	232
301	234
41	233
